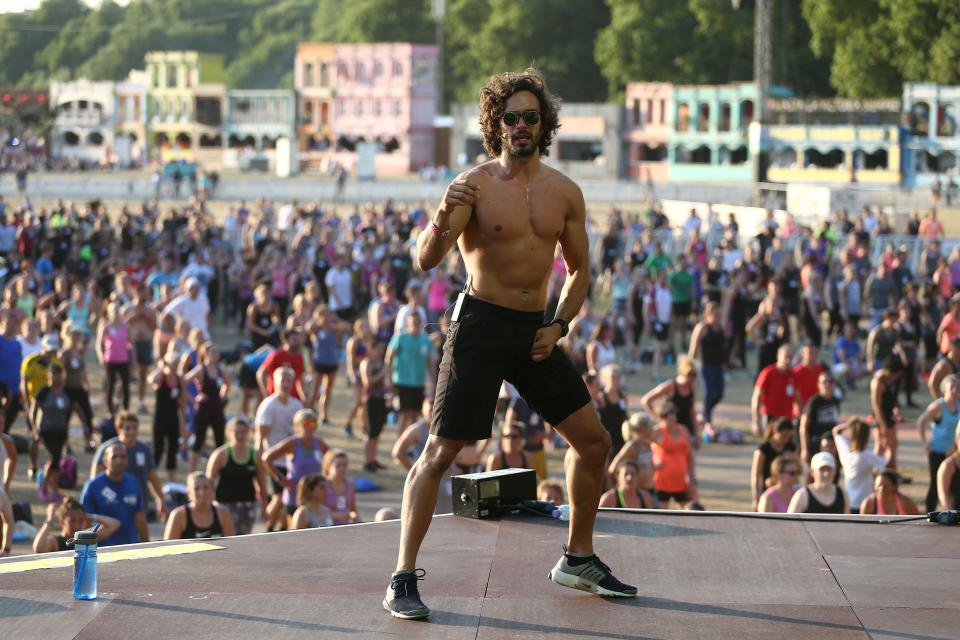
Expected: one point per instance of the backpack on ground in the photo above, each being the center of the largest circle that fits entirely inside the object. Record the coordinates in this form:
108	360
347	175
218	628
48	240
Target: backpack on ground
68	472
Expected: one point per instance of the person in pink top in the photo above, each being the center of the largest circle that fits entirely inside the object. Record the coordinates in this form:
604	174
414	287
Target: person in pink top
438	293
950	325
113	349
886	499
672	459
280	284
781	485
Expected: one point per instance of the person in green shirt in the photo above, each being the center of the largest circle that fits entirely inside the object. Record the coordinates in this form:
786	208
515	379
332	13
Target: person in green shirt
657	262
682	289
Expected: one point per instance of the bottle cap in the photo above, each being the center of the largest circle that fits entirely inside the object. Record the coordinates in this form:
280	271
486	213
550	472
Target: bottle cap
88	536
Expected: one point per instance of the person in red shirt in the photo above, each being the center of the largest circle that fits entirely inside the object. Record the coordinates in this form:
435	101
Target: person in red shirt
950	325
807	374
775	392
290	355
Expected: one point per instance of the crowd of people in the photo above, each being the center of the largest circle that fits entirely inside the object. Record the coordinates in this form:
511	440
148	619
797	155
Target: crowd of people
227	336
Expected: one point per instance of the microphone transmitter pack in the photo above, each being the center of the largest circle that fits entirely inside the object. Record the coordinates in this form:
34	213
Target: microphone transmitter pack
491	494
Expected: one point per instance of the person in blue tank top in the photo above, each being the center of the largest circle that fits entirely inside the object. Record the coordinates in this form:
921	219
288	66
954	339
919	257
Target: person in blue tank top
940	418
324	331
304	454
116	493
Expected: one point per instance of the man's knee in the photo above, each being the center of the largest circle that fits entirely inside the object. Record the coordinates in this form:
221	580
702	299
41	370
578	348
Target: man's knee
439	454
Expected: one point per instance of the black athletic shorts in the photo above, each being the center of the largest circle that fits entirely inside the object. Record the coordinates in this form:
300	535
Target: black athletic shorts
490	344
681	309
411	398
664	497
248	378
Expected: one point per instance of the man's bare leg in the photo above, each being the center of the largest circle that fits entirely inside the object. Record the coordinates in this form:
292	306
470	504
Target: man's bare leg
590	443
420	496
579	567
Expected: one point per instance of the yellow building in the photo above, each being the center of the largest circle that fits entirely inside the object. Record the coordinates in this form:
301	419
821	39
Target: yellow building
186	94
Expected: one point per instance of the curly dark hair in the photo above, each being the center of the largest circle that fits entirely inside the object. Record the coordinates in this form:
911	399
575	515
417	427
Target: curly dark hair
493	100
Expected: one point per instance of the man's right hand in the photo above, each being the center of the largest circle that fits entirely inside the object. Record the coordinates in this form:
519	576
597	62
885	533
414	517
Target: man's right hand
459	193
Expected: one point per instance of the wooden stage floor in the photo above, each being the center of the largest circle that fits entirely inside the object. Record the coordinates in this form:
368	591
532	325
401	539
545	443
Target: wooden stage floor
699	576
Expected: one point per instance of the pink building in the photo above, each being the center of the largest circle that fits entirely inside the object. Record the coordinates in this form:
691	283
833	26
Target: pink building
648	127
382	93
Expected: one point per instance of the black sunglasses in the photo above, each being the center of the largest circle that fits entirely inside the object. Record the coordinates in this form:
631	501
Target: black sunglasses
511	118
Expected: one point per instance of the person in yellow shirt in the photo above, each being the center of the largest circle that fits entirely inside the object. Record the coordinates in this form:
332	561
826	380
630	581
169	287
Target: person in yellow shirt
33	377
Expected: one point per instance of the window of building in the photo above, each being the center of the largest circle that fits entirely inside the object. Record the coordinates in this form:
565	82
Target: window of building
83	105
307	117
208	111
377	108
324	113
683	117
636	112
397	68
358	108
242	106
155	76
188	76
340	108
397	108
378	69
171	76
361	72
324	74
663	111
724	124
650	153
649	115
703	117
580	151
308	74
701	155
875	160
746	114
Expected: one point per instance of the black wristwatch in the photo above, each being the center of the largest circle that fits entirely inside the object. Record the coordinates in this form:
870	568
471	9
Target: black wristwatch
564	326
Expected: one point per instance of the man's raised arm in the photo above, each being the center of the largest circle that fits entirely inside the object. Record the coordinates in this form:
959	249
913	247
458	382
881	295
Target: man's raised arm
448	223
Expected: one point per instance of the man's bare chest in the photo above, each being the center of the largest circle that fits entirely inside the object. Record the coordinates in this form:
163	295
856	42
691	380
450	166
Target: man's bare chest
509	211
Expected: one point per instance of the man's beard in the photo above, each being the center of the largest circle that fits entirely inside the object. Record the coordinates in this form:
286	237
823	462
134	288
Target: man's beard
524	152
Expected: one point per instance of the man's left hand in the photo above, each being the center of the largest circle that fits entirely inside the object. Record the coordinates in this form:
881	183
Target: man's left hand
544	342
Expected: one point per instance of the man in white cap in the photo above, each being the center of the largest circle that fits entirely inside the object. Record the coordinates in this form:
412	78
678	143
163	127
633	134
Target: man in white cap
192	306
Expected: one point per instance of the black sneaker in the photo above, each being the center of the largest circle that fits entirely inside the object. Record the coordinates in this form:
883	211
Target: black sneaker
403	597
591	575
371	467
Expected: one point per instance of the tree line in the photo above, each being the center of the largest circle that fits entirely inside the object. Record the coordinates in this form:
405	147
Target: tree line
588	49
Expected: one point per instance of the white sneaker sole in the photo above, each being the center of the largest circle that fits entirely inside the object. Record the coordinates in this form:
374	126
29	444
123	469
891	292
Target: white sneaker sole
401	615
574	582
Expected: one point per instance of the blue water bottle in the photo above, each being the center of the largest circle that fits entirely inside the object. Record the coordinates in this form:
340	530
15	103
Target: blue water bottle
85	564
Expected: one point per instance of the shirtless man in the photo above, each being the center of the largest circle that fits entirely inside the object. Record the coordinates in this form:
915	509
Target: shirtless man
507	216
142	320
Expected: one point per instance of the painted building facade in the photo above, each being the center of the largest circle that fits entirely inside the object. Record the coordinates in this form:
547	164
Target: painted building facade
131	125
931	134
314	77
834	141
647	128
254	120
710	132
383	94
84	122
186	95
